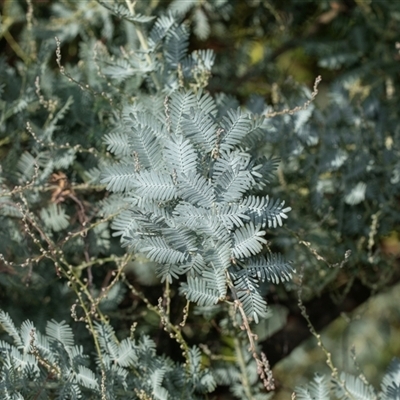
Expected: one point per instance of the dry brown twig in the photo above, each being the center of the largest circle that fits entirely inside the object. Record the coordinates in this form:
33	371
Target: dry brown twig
291	111
263	367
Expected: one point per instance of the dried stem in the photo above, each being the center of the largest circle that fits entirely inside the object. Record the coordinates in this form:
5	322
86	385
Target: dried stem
298	108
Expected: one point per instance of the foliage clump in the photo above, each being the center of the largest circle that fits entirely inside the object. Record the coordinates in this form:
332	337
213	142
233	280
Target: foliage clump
113	131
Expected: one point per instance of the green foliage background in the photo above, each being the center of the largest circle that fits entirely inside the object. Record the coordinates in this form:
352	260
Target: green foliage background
66	107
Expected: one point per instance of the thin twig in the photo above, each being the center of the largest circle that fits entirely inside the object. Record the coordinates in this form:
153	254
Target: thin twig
298	108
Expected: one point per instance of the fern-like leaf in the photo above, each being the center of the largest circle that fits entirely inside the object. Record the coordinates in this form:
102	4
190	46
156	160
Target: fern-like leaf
318	389
145	144
189	215
219	256
122	12
230	215
119	177
355	388
86	378
124	223
181	156
122	69
181	239
247	291
160	29
202	220
206	103
8	325
272	268
117	142
215	279
176	45
232	184
205	57
167	272
196	264
145	122
263	170
61	332
26	330
248	240
195	189
157	377
390	386
126	354
201	128
157	249
26	165
107	340
236	126
54	217
151	185
265	212
180	104
197	291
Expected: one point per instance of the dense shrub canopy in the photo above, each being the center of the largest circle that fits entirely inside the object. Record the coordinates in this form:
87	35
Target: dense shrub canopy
183	200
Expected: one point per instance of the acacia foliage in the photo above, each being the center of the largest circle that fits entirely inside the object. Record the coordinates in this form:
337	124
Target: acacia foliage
193	194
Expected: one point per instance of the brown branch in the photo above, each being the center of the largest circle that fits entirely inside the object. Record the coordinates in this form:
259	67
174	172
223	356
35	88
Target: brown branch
298	108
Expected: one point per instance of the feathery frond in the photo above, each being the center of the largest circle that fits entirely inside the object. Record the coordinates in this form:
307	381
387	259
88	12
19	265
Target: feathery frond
318	389
247	241
196	189
180	105
264	211
236	126
55	217
196	290
272	268
61	332
153	185
356	388
8	325
117	143
181	156
157	249
201	128
119	178
246	290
